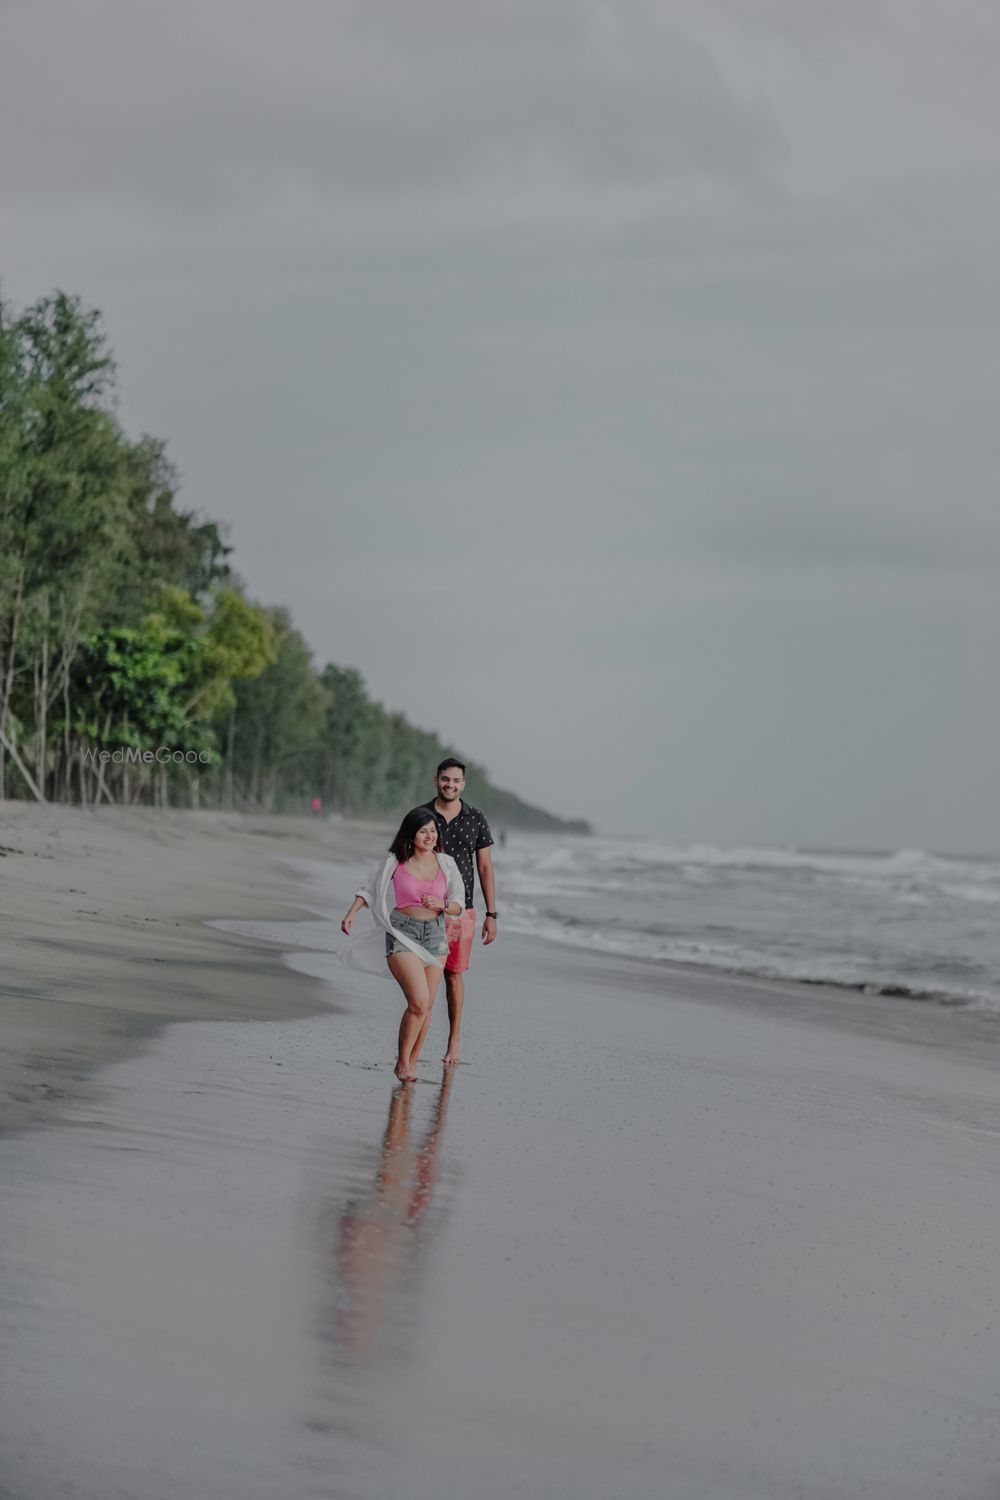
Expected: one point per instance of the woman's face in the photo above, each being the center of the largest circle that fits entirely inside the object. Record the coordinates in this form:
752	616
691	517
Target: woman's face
426	838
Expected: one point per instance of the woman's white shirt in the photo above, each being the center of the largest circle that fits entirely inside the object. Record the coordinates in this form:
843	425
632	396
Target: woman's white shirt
367	950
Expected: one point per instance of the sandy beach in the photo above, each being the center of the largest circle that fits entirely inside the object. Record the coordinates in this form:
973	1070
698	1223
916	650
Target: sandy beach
666	1234
105	940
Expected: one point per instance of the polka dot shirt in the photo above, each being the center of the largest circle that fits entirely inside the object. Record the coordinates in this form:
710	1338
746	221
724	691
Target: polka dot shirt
460	838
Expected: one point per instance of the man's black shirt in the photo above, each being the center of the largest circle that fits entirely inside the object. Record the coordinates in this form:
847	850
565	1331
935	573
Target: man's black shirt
467	832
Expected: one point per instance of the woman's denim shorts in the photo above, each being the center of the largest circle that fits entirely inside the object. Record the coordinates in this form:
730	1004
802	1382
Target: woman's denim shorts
429	934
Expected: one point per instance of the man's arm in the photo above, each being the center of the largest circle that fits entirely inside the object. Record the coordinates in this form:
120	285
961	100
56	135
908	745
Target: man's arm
484	864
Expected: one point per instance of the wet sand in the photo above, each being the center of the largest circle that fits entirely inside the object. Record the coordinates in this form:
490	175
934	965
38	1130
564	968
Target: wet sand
665	1235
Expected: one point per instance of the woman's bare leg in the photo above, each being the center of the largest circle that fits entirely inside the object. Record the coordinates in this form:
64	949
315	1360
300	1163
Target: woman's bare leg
408	972
433	976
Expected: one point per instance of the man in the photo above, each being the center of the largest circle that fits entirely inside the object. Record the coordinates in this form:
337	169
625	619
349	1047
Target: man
463	833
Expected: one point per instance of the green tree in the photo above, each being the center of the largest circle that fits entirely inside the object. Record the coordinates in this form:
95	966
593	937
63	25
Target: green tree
353	741
130	687
166	547
62	507
276	725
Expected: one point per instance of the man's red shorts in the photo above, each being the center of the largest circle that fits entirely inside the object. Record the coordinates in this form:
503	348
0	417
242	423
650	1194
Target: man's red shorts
461	933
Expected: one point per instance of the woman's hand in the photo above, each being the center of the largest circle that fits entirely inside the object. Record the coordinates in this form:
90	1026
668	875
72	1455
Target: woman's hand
434	903
358	903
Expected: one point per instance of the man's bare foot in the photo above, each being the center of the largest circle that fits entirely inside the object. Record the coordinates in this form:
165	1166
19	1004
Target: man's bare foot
404	1072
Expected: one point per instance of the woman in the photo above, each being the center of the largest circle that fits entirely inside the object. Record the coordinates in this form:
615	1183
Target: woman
425	886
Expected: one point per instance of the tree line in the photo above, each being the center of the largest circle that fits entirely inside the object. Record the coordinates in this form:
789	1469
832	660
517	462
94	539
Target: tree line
133	666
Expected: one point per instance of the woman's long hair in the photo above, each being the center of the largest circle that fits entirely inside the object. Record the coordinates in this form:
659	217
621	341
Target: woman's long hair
404	844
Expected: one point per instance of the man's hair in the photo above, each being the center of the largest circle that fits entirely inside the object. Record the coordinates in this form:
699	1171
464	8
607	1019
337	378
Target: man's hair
446	765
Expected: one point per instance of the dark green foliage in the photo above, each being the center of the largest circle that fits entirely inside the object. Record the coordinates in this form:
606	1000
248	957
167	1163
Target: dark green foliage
277	722
165	546
130	686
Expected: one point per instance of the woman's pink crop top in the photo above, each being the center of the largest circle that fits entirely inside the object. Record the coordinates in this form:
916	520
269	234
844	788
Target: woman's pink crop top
409	891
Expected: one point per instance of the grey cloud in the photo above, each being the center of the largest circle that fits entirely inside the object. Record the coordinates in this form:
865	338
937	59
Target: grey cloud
846	537
381	98
945	50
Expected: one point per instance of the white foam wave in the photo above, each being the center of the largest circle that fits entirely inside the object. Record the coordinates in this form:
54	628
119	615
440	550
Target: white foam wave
843	971
613	865
318	937
970	892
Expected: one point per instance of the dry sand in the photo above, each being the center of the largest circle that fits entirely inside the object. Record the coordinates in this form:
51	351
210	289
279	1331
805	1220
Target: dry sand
666	1235
102	918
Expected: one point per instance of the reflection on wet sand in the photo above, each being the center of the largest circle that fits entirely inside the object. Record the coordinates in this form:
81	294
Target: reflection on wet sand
379	1236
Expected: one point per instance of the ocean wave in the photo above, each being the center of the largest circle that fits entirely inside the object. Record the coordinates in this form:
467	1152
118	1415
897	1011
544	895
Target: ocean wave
971	892
837	972
612	867
646	852
322	936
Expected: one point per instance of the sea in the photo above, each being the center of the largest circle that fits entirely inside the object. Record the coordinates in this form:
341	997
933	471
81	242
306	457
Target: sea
904	923
899	922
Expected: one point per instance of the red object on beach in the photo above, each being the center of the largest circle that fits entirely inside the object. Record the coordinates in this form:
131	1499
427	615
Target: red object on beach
317	804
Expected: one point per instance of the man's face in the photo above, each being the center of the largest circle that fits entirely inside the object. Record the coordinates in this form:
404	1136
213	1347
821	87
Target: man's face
450	784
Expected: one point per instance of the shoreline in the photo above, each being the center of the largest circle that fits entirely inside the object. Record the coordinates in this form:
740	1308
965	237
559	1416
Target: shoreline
919	1019
110	938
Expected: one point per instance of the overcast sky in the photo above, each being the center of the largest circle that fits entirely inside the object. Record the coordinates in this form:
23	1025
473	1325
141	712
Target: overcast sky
614	384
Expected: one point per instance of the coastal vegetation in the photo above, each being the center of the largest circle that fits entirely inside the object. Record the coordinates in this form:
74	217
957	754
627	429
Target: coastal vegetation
134	668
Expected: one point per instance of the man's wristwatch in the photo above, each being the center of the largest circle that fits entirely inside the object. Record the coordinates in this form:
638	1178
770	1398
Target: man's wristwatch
492	914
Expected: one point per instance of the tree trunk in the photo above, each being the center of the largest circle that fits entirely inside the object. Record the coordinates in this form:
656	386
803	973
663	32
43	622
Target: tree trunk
68	768
256	766
102	789
41	712
81	771
7	679
126	779
230	743
10	746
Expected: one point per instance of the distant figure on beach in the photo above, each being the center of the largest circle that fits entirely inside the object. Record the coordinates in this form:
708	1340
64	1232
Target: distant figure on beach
425	886
463	833
316	806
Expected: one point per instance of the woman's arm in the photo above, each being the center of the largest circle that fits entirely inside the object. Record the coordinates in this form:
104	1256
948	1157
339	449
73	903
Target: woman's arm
454	902
435	904
356	905
368	895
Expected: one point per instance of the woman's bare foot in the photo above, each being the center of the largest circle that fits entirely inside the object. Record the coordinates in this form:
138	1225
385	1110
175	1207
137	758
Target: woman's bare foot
404	1072
451	1056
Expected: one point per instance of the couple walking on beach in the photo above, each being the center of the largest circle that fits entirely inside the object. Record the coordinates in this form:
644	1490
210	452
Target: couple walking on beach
421	898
